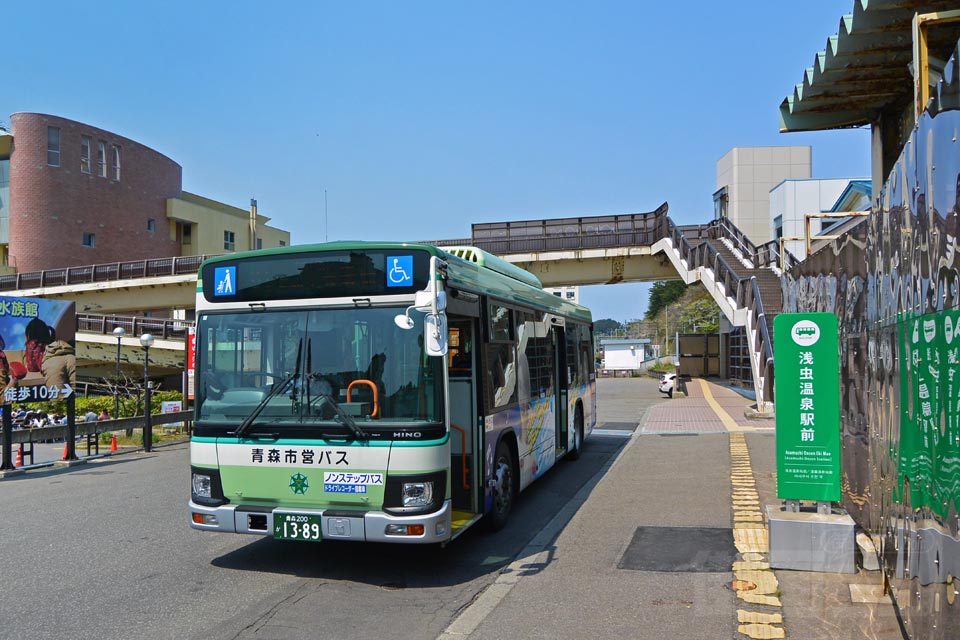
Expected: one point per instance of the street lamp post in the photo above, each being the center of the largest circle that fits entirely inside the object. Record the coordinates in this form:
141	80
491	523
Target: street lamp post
118	333
146	341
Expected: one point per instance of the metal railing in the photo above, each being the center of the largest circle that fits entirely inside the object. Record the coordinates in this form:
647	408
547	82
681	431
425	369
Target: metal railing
765	255
745	291
562	234
39	434
152	268
133	326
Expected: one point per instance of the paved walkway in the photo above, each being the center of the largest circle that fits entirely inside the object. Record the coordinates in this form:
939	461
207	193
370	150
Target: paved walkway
707	408
580	577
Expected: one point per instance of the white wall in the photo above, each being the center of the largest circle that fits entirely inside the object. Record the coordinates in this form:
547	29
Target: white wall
793	199
619	356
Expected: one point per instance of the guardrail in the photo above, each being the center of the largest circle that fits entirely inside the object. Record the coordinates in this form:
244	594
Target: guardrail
134	326
54	432
152	268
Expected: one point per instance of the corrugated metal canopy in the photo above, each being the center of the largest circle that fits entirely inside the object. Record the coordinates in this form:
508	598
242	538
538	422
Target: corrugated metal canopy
864	68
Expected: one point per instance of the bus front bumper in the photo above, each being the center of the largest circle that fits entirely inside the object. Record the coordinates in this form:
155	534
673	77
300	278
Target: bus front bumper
369	526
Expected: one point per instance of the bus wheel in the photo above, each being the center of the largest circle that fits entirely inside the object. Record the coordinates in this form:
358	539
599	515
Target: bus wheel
504	487
574	453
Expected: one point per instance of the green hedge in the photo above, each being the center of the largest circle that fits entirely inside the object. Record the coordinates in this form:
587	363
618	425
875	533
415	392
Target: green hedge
129	407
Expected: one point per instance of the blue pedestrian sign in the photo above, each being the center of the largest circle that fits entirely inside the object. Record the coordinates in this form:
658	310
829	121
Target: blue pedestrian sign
226	281
399	271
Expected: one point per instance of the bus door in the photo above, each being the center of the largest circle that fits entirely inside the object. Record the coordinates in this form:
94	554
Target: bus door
464	432
562	383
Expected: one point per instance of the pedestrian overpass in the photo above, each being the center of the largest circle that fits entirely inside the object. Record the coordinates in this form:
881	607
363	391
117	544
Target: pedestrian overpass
743	278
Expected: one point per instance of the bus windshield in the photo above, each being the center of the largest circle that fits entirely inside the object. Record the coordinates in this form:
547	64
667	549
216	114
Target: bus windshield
322	367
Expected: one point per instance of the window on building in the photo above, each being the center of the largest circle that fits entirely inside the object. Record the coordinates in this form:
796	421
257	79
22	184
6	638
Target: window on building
283	243
229	240
778	227
559	294
115	164
102	159
85	154
187	236
720	204
89	239
259	243
53	146
570	295
151	225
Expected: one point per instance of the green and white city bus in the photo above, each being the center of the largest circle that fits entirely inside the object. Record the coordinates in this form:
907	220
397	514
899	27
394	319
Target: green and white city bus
388	392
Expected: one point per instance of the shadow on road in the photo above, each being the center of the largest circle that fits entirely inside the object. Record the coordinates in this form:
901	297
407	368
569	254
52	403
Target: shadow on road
472	555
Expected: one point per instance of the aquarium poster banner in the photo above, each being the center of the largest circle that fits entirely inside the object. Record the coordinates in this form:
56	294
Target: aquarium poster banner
807	386
37	349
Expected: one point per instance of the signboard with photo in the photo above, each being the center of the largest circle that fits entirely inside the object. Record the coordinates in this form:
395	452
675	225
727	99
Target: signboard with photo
37	349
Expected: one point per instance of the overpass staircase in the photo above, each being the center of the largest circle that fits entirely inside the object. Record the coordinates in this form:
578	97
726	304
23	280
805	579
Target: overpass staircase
744	279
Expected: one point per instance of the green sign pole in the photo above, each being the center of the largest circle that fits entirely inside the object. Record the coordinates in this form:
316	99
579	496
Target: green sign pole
807	365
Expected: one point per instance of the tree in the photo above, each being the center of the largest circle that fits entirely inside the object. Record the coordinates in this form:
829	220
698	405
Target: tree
700	315
663	294
606	326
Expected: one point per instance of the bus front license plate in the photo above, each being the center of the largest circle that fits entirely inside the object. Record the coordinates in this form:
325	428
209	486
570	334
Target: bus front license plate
297	526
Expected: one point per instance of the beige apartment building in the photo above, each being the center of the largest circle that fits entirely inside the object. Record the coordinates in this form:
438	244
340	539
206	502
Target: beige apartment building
745	177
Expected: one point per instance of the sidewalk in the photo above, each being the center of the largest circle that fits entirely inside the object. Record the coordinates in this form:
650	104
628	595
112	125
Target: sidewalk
649	552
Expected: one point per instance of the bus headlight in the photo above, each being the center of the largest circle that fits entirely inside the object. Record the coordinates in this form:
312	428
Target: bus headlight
202	485
417	494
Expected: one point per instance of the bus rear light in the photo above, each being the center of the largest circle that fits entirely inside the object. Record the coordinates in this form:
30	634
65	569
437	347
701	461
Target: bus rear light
404	530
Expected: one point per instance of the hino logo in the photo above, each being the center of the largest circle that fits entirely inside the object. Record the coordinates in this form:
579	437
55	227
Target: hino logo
407	434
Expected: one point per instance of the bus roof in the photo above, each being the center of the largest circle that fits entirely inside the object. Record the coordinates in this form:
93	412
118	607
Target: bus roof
468	268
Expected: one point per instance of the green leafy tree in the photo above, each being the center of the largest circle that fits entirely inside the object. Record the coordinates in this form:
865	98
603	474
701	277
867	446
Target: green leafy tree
700	315
606	326
663	294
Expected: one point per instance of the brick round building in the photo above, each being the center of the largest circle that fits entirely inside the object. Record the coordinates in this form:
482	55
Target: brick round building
80	195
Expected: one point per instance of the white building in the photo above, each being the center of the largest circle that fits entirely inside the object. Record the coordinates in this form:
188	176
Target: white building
792	200
567	293
620	354
745	176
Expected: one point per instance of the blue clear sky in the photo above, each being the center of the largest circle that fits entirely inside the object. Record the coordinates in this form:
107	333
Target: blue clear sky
419	118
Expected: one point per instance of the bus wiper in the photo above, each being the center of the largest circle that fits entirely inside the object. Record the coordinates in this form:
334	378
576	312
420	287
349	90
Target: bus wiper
277	390
345	417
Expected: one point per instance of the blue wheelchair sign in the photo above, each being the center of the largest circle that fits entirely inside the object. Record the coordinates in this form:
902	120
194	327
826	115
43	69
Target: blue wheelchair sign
225	279
399	271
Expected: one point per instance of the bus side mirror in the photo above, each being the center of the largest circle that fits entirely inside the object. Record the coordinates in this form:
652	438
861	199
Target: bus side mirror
435	334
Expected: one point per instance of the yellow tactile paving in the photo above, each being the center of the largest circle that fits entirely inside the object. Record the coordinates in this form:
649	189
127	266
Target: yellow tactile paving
756	598
761	631
755	583
728	422
741	516
766	583
746	617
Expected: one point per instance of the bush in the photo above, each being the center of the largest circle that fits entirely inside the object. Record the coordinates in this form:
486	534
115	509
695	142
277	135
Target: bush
129	406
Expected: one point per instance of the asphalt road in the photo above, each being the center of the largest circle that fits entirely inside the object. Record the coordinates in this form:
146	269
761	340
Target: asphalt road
104	551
